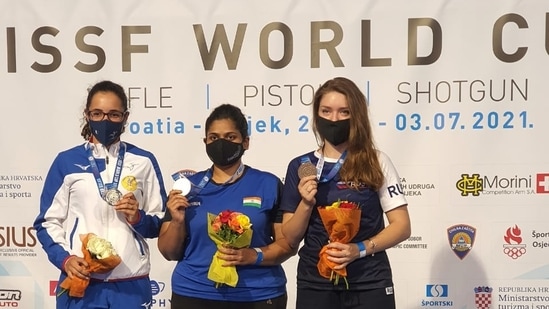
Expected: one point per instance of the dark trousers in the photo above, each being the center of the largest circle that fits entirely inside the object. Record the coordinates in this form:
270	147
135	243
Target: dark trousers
368	299
183	302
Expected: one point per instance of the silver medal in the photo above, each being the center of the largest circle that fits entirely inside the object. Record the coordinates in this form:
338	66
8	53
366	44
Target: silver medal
112	196
183	184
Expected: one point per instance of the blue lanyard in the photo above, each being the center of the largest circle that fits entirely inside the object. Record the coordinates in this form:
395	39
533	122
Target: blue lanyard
118	170
320	166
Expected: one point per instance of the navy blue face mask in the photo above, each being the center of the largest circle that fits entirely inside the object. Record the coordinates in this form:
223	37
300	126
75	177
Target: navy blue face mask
106	131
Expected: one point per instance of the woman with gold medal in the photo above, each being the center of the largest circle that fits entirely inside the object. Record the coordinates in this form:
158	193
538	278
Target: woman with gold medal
112	189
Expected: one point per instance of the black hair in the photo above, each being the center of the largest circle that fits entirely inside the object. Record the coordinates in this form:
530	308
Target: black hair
102	86
231	112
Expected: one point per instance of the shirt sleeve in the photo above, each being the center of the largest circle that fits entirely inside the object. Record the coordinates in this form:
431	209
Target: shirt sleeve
290	193
154	201
391	194
52	215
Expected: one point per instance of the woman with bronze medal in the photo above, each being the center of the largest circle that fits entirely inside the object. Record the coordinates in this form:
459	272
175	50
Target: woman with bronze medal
346	169
108	188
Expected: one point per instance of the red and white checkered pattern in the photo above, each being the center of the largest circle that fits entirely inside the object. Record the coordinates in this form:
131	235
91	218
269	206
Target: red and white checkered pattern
483	300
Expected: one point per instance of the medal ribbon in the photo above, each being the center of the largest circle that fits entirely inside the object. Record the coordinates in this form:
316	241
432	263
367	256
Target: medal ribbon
320	166
195	190
118	170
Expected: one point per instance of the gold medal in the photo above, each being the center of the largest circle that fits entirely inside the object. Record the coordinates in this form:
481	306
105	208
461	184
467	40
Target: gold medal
129	183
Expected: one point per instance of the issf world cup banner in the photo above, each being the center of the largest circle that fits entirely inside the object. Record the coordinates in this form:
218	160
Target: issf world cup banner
457	93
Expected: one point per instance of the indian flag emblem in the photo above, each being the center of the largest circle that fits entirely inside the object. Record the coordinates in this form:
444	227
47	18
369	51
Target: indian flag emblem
253	201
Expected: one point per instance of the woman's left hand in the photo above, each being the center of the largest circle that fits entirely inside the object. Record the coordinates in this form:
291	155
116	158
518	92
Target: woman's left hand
129	206
342	254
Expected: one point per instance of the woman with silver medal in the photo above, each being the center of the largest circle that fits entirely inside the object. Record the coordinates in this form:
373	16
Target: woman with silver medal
109	188
228	184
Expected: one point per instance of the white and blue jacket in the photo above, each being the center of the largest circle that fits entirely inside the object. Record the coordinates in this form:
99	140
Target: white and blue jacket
71	205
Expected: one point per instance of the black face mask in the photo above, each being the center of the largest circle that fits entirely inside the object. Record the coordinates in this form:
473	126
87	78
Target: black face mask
223	152
335	132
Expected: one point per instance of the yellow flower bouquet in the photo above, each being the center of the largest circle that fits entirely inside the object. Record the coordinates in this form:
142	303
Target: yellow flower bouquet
228	228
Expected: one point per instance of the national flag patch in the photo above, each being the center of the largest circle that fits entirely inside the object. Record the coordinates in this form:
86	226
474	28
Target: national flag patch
253	201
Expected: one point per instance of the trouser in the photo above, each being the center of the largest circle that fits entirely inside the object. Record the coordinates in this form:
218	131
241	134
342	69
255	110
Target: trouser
367	299
184	302
127	294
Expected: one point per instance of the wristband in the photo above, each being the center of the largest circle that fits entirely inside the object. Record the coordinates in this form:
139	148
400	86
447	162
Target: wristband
259	256
361	249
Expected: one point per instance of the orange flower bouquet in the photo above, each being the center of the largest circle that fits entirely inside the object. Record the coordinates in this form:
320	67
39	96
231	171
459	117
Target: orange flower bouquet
341	220
101	257
228	228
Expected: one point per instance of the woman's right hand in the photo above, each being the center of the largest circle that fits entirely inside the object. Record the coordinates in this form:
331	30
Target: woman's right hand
308	187
77	267
177	204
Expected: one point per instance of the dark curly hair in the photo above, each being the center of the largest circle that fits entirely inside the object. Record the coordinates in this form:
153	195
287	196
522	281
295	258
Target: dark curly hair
102	86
